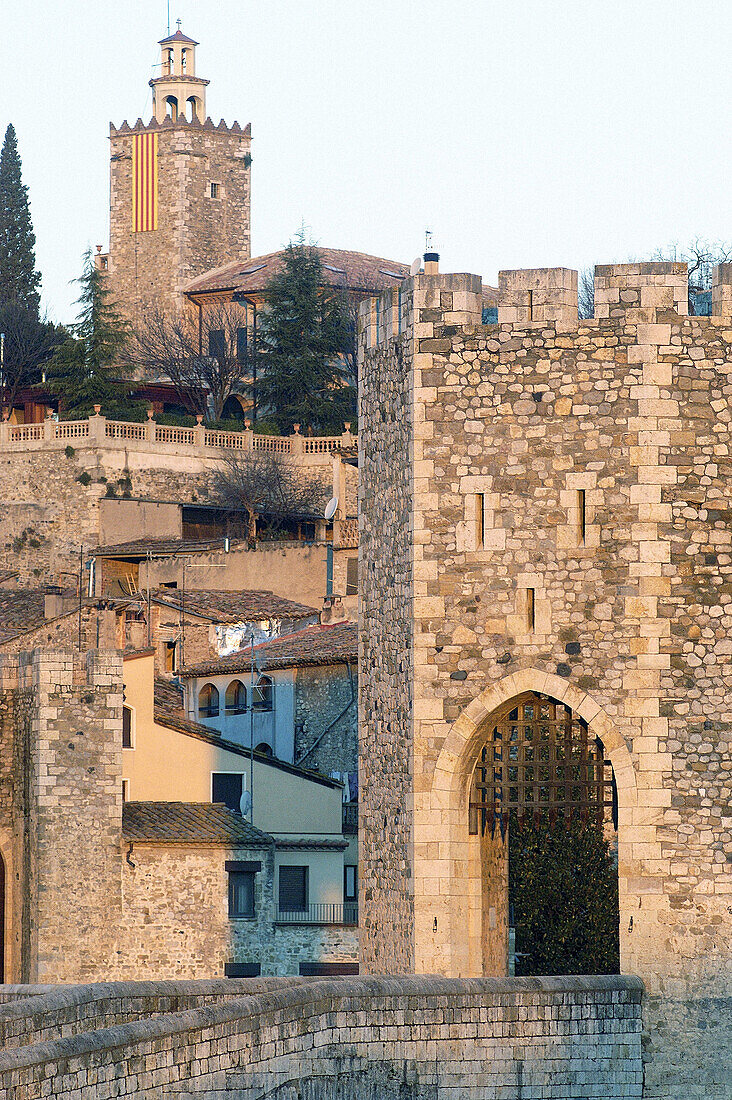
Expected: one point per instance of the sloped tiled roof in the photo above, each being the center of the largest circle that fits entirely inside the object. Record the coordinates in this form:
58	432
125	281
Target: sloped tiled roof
138	548
316	645
177	37
353	270
232	607
189	823
21	610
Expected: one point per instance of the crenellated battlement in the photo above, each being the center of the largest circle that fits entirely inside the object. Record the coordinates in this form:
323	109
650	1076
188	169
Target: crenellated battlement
180	123
50	671
431	306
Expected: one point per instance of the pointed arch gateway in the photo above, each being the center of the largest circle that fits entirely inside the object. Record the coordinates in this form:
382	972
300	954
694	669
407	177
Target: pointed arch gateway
467	939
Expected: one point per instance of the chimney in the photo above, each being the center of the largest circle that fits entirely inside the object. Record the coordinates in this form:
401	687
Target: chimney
432	263
431	258
333	611
53	601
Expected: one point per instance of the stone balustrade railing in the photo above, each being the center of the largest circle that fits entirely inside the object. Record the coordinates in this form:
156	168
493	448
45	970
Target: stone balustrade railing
98	431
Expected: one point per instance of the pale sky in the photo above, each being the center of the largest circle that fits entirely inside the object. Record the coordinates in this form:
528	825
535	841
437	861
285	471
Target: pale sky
524	134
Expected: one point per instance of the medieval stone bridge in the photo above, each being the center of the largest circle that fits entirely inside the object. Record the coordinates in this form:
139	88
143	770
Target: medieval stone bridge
414	1038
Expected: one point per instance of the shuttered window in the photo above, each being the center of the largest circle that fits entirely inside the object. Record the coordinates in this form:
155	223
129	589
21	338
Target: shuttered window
293	889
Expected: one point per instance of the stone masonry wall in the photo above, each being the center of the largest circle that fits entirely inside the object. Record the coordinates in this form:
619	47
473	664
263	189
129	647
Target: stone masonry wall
578	1038
385	567
323	740
47	513
195	232
631	616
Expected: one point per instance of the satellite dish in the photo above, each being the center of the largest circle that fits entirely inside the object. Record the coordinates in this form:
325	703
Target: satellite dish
331	508
416	266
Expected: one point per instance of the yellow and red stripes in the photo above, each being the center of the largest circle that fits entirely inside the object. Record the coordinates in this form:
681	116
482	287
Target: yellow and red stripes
144	182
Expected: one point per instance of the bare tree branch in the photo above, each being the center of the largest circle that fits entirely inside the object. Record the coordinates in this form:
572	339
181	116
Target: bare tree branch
265	483
205	369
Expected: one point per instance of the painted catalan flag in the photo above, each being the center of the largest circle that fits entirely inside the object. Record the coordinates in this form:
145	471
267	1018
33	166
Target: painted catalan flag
144	182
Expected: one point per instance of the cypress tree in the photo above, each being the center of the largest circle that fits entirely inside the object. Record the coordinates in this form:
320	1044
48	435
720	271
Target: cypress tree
85	370
19	280
306	337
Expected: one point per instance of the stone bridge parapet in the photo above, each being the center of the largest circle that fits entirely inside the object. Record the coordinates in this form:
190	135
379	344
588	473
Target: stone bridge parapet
408	1037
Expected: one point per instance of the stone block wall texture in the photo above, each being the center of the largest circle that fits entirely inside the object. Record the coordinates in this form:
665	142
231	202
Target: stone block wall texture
61	812
195	231
47	513
575	1038
326	718
386	649
633	409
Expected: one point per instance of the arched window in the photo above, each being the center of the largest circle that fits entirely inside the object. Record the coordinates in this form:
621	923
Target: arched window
192	108
208	701
126	728
183	60
263	748
169	62
171	107
263	693
236	698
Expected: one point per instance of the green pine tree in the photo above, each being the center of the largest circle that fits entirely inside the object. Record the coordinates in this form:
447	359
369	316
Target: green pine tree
304	375
19	280
85	370
563	885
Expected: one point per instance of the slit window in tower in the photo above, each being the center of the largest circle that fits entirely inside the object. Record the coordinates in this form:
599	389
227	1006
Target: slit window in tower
479	520
531	305
530	610
581	516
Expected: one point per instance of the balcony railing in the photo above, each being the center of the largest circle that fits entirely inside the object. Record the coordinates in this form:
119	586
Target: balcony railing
320	913
350	818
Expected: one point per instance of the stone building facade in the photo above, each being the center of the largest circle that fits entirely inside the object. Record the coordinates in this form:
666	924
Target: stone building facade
552	496
95	889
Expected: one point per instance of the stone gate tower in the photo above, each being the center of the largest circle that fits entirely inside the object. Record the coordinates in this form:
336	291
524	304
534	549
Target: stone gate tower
545	573
179	190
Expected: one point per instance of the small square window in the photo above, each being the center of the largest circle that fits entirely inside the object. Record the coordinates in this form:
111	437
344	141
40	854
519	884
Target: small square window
215	190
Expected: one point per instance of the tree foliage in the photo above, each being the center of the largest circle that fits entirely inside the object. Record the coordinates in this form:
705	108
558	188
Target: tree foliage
19	280
563	884
306	362
85	369
29	343
206	367
266	483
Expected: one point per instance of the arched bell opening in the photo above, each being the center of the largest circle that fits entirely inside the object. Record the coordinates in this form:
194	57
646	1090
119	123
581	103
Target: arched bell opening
171	108
542	821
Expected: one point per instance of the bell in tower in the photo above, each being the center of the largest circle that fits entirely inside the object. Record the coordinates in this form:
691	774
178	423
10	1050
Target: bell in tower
178	93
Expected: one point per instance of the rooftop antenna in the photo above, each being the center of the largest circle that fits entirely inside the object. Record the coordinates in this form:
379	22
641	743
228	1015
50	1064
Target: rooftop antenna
428	240
168	18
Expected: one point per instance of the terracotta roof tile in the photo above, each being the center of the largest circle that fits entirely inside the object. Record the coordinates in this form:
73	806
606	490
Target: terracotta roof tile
23	610
355	270
138	548
220	606
189	823
316	645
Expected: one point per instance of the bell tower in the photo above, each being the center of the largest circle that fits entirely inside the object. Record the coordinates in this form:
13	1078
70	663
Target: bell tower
178	90
179	190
